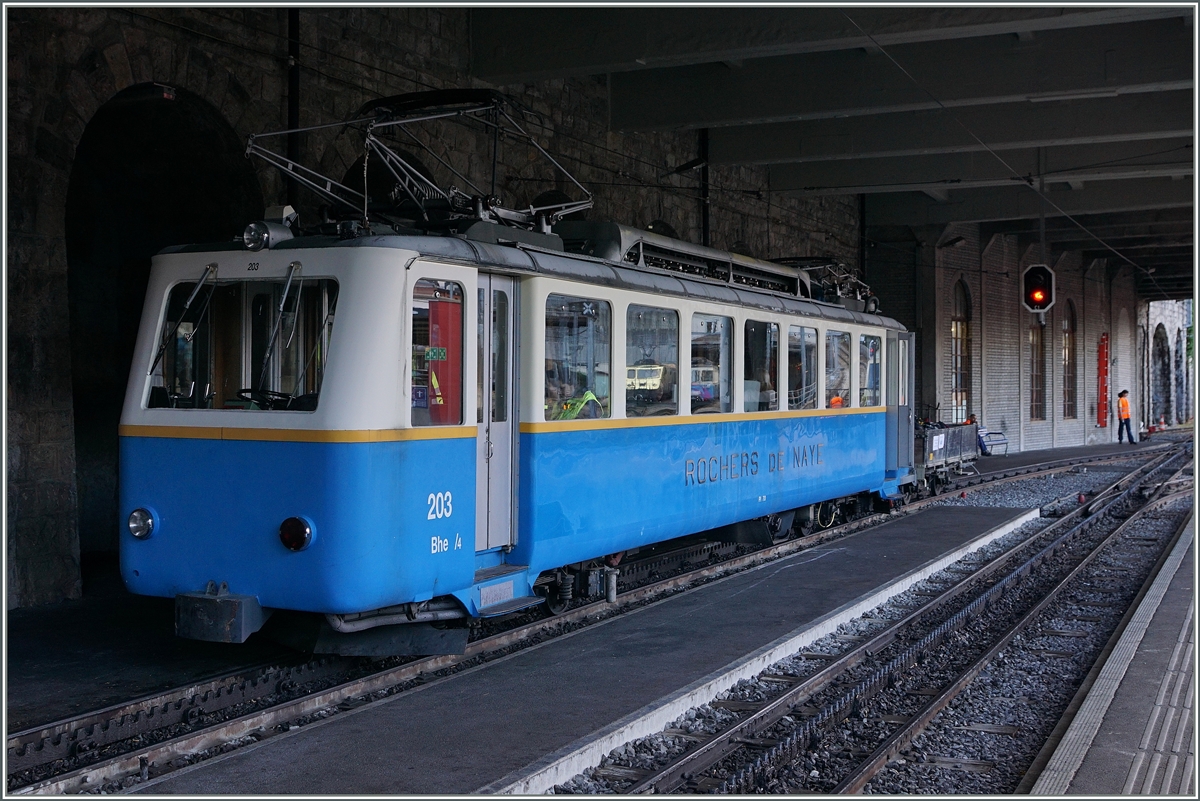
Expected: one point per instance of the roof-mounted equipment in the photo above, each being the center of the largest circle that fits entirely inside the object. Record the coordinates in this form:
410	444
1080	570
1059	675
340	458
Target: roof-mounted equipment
834	282
623	244
398	190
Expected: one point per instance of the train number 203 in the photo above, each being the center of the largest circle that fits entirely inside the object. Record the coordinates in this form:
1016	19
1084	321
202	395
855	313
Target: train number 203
439	505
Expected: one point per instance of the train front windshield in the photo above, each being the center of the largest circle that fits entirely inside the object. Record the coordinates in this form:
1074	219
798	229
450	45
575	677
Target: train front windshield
258	345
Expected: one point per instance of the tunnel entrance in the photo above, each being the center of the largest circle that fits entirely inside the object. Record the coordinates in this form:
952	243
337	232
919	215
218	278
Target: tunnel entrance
1160	377
155	166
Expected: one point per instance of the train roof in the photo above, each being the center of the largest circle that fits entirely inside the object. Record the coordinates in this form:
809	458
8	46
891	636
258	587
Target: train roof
527	259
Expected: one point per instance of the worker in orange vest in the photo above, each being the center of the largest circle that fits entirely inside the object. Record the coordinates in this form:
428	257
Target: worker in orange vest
1123	412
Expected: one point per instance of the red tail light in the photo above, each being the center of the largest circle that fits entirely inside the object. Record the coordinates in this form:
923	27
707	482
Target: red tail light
295	533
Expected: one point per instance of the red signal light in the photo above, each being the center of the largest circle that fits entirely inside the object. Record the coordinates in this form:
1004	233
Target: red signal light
1037	288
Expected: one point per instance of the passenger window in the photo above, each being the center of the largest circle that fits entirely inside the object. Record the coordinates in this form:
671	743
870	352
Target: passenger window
498	391
761	366
252	345
578	357
651	361
802	367
712	363
868	370
837	369
437	353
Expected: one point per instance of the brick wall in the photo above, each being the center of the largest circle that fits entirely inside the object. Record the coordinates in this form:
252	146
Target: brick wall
64	63
1103	299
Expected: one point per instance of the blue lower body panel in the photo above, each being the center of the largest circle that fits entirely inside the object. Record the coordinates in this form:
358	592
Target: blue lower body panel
593	492
394	522
381	534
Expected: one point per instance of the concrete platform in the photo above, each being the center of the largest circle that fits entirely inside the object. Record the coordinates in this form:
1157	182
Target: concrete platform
1135	732
489	725
999	464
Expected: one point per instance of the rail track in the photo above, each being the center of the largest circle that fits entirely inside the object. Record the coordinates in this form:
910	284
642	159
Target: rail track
758	752
154	734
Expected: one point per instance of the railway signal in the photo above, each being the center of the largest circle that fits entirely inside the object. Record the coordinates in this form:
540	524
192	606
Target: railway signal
1037	284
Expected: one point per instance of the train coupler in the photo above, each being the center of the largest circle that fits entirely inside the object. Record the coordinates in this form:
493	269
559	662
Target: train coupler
217	615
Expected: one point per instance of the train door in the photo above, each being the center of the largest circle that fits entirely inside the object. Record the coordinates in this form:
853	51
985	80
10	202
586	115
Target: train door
899	402
496	413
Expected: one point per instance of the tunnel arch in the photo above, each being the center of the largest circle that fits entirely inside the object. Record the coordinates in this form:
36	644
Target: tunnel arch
154	166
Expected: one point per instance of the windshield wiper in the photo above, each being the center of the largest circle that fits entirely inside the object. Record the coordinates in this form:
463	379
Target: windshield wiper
209	270
316	344
293	268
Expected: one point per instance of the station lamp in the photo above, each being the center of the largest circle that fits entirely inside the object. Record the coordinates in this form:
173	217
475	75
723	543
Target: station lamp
1037	288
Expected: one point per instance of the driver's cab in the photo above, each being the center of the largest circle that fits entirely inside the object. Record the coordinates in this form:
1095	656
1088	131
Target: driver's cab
243	344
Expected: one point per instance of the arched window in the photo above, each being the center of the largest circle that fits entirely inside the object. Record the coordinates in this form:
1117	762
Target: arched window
1070	411
960	352
1037	373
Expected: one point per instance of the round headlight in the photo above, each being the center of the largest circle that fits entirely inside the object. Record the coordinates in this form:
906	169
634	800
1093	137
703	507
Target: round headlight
295	533
141	523
256	236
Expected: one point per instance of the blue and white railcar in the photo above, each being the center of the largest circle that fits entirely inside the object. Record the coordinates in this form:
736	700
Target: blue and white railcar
385	435
394	432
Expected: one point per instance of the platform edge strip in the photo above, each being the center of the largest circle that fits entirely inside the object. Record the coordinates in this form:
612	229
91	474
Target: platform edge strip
562	765
1068	757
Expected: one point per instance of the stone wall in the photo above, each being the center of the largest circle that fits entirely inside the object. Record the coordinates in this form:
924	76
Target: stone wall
1175	318
65	63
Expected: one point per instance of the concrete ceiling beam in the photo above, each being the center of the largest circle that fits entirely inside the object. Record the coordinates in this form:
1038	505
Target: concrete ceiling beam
1164	256
515	45
1122	241
1104	61
1106	162
1019	202
1011	126
1137	223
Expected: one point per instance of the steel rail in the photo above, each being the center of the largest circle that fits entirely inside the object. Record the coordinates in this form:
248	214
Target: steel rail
885	675
904	735
1035	769
691	763
97	728
847	702
71	737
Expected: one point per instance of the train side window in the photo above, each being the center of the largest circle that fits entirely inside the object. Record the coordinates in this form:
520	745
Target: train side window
760	372
437	353
802	367
869	361
651	361
837	369
712	363
578	358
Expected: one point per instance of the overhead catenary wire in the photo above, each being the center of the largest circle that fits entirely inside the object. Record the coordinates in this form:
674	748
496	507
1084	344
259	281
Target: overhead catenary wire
1045	198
